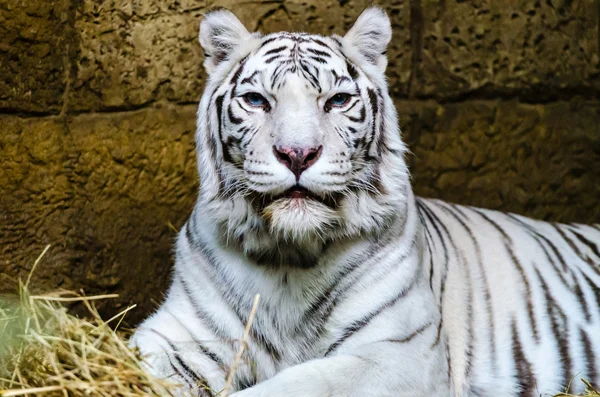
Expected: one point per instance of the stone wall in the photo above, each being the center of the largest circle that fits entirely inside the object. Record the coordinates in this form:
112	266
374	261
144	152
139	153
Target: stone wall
497	99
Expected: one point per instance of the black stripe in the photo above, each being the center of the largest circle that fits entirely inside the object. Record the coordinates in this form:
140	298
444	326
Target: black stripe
469	301
448	359
269	40
411	336
351	106
558	255
595	289
273	58
568	240
211	144
322	61
421	206
219	103
322	308
319	53
542	241
250	78
275	50
374	101
575	249
525	378
508	246
438	336
232	117
206	320
189	234
351	70
428	242
279	70
310	77
179	373
453	211
581	298
322	43
241	382
590	356
235	301
561	337
238	71
587	242
225	147
249	137
359	119
197	380
360	324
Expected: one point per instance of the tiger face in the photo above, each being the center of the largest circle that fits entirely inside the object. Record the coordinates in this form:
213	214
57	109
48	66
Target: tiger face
294	130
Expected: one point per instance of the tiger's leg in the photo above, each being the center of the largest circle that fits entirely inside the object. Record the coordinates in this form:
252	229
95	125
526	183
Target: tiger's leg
405	367
172	352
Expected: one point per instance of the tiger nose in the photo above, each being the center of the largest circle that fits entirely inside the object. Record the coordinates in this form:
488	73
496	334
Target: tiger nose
297	159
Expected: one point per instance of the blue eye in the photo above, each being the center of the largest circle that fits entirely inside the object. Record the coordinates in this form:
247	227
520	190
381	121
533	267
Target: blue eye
339	100
255	99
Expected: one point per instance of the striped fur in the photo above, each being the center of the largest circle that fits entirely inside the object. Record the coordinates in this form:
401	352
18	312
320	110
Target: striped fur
366	289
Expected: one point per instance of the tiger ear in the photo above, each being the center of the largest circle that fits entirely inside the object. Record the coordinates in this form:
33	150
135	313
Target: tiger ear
221	33
370	35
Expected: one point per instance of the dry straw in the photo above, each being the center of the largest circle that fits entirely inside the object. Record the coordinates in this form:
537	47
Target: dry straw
46	351
589	391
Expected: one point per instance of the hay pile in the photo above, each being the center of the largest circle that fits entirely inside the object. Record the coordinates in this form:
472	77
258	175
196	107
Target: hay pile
48	352
45	350
590	391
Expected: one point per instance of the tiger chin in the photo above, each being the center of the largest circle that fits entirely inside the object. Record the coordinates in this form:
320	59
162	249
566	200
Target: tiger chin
366	290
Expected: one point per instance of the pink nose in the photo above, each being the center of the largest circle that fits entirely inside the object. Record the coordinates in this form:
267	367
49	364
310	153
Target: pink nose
297	159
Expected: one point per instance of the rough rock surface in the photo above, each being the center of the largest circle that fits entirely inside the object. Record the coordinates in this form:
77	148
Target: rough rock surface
34	49
135	53
538	160
534	49
105	190
497	99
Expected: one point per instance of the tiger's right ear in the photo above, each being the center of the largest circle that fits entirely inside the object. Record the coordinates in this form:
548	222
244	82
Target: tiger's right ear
221	33
369	36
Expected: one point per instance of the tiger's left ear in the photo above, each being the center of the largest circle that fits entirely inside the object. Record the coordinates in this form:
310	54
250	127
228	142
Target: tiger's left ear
370	35
221	34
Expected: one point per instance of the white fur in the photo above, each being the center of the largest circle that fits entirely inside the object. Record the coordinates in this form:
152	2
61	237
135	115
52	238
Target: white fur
429	298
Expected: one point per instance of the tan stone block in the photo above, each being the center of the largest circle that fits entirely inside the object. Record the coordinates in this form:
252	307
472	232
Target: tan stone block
136	180
33	55
131	54
135	53
400	50
509	47
105	190
536	159
34	196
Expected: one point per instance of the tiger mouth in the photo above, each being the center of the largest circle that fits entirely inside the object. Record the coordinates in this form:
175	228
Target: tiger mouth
297	193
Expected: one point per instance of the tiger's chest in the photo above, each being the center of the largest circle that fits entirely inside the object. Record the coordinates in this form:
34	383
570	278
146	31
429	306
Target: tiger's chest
380	293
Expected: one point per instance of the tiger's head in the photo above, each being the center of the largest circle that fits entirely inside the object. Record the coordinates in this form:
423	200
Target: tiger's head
298	142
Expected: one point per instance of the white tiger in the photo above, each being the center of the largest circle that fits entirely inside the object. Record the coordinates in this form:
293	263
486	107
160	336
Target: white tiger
365	289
